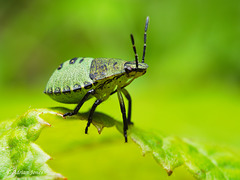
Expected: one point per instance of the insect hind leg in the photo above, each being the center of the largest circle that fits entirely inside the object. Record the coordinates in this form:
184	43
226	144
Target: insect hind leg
75	111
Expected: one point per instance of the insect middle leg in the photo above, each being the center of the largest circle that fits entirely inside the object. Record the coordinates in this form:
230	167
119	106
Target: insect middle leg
123	110
96	103
75	111
127	95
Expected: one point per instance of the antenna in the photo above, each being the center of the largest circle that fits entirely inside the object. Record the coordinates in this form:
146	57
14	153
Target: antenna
135	51
145	39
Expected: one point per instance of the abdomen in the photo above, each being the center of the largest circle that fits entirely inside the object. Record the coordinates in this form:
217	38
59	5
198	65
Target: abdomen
70	81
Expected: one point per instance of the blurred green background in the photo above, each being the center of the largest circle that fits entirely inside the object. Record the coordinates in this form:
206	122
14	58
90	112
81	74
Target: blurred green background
191	89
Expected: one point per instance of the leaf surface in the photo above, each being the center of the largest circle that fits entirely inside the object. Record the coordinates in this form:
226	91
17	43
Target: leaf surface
202	161
20	157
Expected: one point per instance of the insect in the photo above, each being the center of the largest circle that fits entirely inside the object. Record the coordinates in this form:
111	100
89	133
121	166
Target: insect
79	79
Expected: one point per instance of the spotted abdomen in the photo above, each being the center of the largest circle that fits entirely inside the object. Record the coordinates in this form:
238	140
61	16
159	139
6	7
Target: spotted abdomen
70	81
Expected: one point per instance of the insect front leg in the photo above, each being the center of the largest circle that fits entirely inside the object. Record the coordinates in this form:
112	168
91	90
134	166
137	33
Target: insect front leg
75	111
127	95
96	103
123	110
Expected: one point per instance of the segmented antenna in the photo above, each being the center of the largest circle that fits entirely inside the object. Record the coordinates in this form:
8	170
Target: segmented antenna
145	39
135	51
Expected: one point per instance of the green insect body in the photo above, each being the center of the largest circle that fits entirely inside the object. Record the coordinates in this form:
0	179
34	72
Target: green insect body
71	81
67	82
79	79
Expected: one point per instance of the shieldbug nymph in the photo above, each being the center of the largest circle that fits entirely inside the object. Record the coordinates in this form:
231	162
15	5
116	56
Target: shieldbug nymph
79	79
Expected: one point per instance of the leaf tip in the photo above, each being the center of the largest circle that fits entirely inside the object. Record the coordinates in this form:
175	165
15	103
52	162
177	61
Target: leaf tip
99	130
169	172
59	176
46	123
99	127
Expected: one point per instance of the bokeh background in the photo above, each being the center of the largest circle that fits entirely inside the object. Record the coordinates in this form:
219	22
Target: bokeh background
191	89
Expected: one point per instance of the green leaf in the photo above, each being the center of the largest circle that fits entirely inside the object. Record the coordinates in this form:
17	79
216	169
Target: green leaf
203	161
20	154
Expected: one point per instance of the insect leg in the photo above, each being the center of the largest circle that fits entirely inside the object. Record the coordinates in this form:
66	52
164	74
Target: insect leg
96	103
127	95
75	111
123	110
